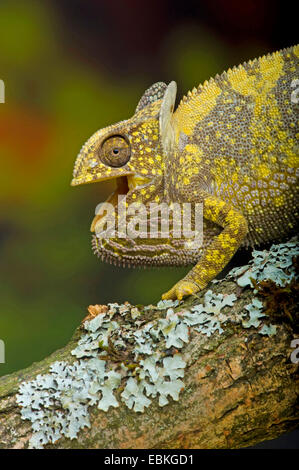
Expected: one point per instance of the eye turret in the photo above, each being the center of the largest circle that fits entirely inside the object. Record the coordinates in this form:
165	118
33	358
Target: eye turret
115	151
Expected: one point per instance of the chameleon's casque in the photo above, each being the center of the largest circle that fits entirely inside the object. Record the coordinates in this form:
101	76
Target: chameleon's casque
231	144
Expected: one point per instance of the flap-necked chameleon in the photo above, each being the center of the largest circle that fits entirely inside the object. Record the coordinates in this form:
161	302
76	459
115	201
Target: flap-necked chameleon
230	145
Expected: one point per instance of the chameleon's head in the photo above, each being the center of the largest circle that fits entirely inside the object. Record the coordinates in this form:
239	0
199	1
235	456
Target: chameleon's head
130	151
133	153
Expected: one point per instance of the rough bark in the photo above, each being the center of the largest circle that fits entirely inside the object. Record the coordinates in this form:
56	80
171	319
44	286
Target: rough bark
241	388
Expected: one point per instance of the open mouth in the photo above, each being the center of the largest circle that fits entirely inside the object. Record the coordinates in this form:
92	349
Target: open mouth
124	184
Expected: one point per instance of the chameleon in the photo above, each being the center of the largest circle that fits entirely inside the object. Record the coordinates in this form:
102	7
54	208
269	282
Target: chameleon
231	145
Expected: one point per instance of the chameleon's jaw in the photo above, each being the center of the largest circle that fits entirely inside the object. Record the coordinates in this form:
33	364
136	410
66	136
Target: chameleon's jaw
124	186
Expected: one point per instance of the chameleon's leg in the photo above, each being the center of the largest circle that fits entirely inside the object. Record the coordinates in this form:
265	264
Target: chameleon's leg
218	253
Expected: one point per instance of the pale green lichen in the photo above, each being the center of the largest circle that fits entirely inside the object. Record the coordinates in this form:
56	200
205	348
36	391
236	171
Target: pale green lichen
57	403
255	313
274	264
255	309
268	330
155	381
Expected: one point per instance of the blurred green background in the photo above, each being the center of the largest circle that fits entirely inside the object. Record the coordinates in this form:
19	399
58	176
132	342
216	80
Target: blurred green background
70	68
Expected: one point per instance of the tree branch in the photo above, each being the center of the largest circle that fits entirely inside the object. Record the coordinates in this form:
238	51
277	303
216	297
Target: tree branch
240	386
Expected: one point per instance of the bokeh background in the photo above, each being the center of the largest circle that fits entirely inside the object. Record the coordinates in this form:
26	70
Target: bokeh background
71	67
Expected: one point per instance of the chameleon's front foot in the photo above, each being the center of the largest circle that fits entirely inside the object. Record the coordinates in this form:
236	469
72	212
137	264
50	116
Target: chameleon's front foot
181	289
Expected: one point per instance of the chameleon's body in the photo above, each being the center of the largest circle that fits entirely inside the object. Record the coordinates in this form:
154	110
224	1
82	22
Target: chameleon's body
230	144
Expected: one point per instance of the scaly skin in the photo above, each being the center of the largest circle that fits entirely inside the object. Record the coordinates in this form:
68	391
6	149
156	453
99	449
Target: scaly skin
230	145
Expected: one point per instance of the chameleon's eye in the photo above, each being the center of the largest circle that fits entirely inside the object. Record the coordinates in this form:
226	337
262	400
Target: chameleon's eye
115	151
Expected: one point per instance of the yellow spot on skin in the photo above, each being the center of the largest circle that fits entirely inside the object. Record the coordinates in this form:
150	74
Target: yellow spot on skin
235	177
192	148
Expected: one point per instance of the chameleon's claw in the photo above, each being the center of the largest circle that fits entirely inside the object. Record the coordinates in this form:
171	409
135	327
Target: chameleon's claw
181	289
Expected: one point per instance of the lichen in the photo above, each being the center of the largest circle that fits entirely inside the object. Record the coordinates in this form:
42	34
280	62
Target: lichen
273	275
255	309
57	403
123	357
275	264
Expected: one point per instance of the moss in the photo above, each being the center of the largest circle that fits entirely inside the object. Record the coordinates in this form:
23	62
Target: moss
280	302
